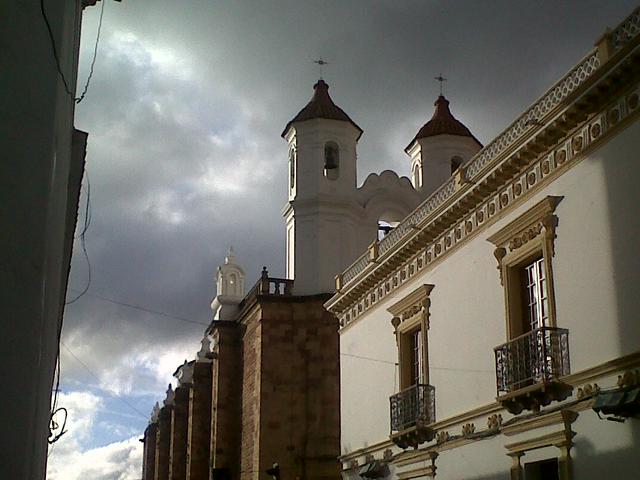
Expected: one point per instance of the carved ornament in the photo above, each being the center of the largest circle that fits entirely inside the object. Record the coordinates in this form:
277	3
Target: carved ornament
442	436
630	378
468	429
494	421
588	390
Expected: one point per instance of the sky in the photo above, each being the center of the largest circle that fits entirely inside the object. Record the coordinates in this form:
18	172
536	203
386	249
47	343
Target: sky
184	159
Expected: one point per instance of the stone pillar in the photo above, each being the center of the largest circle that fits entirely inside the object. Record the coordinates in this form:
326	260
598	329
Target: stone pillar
565	467
226	400
163	440
149	455
179	429
516	467
199	433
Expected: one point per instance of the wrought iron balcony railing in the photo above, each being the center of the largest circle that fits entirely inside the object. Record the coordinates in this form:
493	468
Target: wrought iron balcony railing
413	406
539	356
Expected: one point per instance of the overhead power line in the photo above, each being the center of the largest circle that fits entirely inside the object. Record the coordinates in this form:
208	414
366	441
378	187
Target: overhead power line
84	365
57	58
145	309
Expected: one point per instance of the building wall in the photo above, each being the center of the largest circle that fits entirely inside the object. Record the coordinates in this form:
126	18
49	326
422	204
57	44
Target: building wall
39	185
595	274
299	416
250	414
226	391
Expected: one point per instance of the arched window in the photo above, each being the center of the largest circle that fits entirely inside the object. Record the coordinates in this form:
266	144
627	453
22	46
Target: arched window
455	163
416	176
331	160
292	169
233	284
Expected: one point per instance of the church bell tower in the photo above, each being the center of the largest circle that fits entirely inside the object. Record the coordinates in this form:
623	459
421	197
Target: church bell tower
441	146
322	212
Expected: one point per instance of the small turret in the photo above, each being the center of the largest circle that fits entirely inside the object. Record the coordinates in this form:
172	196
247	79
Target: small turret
229	288
441	146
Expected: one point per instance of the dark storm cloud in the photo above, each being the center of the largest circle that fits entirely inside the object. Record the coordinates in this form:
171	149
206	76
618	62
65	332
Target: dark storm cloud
184	116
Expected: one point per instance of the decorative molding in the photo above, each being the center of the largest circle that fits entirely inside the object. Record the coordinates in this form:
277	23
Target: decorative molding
442	436
460	419
428	471
468	429
443	229
559	438
527	226
561	416
610	367
411	458
587	391
412	309
630	378
494	421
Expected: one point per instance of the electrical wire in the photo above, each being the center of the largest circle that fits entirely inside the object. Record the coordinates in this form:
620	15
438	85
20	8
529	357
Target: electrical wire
53	48
53	425
430	367
84	365
83	243
57	58
95	54
148	310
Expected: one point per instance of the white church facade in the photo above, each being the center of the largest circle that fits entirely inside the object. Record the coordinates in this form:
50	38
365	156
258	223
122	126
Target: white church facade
494	333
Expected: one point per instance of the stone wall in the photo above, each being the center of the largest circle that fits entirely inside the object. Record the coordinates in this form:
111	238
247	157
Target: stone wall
179	430
297	400
250	405
163	442
149	455
225	408
199	434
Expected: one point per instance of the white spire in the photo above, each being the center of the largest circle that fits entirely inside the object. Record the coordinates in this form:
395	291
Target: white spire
203	354
155	412
230	259
184	373
229	288
170	396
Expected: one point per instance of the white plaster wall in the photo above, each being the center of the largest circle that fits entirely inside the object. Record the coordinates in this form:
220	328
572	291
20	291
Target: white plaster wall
596	276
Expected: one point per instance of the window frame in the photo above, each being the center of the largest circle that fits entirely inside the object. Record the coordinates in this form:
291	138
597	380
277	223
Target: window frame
529	237
411	315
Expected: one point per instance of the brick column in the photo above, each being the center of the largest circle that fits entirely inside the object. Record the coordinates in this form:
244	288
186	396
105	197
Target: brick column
163	440
226	400
179	429
199	434
149	455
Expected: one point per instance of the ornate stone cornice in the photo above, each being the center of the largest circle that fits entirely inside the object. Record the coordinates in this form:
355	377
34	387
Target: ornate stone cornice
564	141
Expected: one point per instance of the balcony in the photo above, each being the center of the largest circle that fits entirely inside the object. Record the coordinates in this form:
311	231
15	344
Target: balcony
412	411
529	367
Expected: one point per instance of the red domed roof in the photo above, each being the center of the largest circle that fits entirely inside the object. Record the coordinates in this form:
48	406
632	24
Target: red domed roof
321	106
442	123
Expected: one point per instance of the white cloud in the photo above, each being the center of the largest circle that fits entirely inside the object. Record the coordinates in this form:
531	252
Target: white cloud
68	460
116	461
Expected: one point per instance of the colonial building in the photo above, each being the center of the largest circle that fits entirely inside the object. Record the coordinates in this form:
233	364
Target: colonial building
493	333
264	388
